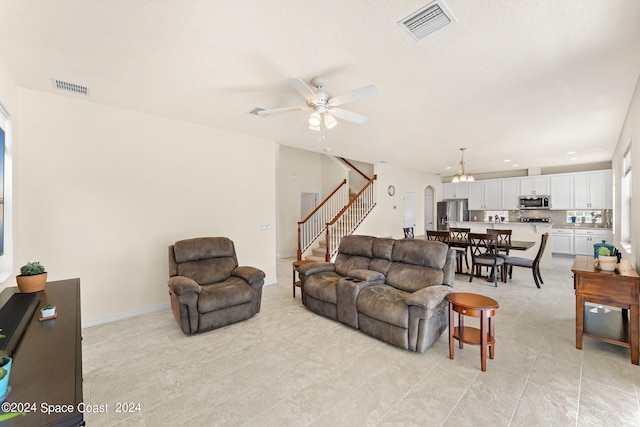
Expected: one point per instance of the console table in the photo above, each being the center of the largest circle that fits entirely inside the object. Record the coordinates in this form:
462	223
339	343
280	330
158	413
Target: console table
47	362
619	288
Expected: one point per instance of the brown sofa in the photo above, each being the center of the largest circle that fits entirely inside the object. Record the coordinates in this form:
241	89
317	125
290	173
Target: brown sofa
207	288
391	289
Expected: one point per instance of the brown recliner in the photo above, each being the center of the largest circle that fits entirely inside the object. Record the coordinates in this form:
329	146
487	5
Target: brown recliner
208	289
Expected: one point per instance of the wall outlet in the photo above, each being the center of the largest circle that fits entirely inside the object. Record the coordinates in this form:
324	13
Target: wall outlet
265	227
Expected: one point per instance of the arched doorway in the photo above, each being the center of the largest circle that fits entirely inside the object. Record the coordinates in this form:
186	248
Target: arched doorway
429	208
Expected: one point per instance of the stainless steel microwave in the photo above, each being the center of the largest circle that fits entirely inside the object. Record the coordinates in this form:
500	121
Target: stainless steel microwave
535	202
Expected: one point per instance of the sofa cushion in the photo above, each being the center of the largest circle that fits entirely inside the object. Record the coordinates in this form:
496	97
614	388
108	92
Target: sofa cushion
208	271
202	248
354	253
322	286
385	303
231	292
427	253
410	278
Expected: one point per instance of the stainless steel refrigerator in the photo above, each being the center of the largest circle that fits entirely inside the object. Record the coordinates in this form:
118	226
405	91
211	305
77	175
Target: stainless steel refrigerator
452	210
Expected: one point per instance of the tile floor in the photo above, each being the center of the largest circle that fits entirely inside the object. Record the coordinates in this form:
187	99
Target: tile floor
287	366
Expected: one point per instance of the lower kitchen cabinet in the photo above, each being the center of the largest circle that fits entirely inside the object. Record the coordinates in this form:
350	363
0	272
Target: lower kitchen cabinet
562	239
583	240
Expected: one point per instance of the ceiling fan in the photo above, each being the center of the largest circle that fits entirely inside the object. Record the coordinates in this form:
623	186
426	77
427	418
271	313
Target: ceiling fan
323	105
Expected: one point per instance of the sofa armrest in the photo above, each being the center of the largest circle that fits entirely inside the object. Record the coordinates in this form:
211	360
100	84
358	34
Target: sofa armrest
367	275
182	285
429	297
316	267
250	274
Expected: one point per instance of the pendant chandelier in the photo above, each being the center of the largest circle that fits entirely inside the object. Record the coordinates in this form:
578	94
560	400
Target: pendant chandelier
462	176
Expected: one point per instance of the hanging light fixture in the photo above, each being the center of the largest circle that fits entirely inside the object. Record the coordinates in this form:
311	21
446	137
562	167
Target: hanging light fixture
319	117
462	176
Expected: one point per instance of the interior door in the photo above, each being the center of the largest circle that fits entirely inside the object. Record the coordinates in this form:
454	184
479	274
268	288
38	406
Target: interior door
429	223
409	216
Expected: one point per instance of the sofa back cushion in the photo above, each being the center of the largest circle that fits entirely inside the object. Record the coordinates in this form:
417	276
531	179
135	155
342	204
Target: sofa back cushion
417	264
382	252
205	259
354	253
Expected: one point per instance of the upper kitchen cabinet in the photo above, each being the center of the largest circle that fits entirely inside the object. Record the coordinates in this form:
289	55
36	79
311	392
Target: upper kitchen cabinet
593	190
561	192
534	185
485	195
510	193
458	190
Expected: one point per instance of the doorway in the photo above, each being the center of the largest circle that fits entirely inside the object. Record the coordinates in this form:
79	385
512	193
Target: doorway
429	196
409	213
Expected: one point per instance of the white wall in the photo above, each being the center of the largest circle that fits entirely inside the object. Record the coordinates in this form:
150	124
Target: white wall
630	129
100	193
298	171
386	218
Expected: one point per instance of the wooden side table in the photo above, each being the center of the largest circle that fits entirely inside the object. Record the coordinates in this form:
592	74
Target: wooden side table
296	265
619	288
467	304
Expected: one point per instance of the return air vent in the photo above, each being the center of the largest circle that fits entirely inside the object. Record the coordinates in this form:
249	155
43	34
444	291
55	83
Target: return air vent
425	21
256	111
70	87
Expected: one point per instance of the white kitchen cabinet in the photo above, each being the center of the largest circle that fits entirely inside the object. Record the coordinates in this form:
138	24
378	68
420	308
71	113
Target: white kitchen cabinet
562	241
538	185
584	239
485	195
510	192
561	188
456	190
593	190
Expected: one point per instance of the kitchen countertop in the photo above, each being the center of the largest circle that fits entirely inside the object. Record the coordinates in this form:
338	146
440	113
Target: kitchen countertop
581	227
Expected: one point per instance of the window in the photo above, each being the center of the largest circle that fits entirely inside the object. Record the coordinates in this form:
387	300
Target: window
500	215
625	198
594	217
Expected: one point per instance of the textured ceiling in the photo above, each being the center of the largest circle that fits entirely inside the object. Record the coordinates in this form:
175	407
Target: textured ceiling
523	80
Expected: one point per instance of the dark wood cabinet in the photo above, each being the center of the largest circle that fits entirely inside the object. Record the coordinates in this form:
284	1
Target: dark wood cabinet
46	371
619	288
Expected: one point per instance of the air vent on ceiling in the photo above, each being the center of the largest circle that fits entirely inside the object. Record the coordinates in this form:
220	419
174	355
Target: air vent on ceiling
425	21
70	87
256	111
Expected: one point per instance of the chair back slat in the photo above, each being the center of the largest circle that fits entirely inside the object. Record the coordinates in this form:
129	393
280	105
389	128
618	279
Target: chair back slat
483	245
504	236
438	236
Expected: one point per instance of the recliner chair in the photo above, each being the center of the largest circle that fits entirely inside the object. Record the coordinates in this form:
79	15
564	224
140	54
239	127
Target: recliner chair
208	289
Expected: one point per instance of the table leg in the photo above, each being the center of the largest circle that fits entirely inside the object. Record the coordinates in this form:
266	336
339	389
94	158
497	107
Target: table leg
451	329
633	335
461	329
492	332
579	321
483	340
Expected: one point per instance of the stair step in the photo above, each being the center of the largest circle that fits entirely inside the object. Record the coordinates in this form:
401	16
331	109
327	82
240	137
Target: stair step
314	258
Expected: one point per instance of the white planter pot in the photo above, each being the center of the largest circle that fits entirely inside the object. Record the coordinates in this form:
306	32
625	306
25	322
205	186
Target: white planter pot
607	263
47	312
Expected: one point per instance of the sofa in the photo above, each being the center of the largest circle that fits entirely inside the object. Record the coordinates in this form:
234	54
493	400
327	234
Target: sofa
393	290
207	288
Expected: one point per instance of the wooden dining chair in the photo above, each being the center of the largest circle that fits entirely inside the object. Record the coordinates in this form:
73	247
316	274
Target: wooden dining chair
408	233
504	238
460	235
533	264
484	253
443	236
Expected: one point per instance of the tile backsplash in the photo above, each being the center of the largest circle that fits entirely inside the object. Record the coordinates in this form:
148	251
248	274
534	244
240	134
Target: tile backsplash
558	218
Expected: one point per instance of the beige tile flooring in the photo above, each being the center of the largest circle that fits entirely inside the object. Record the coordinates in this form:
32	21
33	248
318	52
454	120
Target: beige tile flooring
288	366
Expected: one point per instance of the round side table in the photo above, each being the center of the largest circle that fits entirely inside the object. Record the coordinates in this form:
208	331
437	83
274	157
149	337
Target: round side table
467	304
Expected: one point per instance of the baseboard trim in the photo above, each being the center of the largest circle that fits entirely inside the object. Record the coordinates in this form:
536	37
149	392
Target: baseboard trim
125	315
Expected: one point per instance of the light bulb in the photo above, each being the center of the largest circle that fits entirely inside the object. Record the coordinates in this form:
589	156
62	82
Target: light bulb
329	121
316	128
315	119
455	179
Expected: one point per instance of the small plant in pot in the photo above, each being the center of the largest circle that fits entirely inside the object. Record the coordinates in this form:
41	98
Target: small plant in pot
47	311
606	262
32	278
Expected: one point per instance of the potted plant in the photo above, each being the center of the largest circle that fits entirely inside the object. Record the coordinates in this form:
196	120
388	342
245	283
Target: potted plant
5	370
48	311
595	216
606	262
32	277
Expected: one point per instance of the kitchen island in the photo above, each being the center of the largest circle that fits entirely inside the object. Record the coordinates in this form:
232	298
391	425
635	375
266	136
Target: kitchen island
521	231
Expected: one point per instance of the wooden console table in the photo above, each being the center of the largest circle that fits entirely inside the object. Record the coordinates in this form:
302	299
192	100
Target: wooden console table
619	288
47	363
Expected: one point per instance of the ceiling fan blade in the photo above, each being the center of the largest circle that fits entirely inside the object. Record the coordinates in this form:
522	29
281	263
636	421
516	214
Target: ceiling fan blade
347	115
262	112
304	89
353	95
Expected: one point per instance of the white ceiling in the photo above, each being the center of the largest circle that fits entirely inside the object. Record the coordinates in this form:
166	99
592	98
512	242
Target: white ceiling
522	80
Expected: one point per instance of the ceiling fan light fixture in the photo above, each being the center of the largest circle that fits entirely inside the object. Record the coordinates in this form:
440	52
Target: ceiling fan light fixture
316	128
329	121
315	119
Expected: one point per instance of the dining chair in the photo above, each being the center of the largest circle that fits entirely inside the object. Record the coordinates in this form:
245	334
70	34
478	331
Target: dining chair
484	253
460	235
443	236
533	264
504	238
408	233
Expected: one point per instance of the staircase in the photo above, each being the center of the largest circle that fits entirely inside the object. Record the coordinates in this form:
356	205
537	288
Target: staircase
334	218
